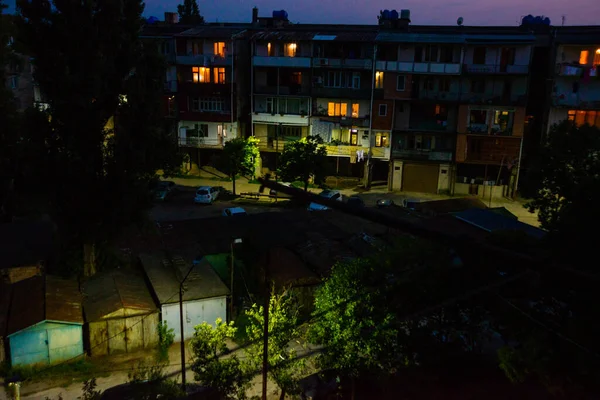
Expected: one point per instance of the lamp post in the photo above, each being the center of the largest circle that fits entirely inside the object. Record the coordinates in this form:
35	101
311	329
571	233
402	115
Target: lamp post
235	241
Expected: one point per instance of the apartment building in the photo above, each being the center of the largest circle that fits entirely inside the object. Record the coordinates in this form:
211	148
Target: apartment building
575	91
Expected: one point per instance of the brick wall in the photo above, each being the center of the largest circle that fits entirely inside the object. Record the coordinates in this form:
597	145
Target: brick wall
380	121
390	89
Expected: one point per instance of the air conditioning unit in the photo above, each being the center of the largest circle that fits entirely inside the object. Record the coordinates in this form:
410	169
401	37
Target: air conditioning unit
324	61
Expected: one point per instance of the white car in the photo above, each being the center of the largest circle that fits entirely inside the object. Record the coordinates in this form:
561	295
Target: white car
328	194
206	195
234	211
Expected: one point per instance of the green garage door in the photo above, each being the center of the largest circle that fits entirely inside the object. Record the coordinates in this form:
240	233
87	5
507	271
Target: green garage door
422	178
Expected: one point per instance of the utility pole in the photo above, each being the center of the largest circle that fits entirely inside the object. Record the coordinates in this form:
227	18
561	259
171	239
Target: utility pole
182	344
235	241
266	329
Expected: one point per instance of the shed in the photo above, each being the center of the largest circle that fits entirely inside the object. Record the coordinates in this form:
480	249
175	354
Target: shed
204	297
45	321
120	314
494	222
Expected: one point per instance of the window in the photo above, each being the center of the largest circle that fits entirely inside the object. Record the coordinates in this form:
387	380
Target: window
583	57
202	130
431	54
289	49
219	75
333	79
296	78
446	54
478	121
355	80
477	86
401	83
354	110
429	84
584	117
503	122
383	110
444	85
597	58
14	82
337	109
354	137
200	75
208	104
270	50
171	107
219	49
479	55
165	48
381	140
195	47
378	80
271	105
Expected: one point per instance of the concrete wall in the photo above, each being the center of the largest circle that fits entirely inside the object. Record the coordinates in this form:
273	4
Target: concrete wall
194	313
402	117
16	274
444	178
396	175
46	343
483	191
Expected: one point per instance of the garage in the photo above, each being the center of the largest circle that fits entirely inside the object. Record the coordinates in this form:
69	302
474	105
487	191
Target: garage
422	178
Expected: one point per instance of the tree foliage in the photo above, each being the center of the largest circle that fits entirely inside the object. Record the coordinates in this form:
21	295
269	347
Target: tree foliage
166	337
302	160
227	375
284	366
240	156
96	150
567	202
189	12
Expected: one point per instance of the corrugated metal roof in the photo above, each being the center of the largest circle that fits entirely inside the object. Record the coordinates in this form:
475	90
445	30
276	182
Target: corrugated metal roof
106	293
202	283
283	35
40	298
210	32
491	222
438	207
25	243
403	37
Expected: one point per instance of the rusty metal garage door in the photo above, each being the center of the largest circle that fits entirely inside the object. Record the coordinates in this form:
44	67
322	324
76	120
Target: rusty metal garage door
422	178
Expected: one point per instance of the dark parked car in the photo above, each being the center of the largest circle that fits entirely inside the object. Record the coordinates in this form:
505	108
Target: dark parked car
164	190
356	201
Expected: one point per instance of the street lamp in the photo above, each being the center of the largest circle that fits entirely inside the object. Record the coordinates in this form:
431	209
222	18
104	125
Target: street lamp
235	241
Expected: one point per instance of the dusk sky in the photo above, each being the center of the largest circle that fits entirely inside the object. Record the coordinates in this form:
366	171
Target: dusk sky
432	12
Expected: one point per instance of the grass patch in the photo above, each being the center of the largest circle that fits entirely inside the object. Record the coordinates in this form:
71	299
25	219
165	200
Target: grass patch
78	370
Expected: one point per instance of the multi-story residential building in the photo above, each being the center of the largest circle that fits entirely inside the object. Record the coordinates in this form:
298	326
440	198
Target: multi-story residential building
575	91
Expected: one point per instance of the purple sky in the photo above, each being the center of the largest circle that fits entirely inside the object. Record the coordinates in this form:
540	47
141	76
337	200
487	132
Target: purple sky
474	12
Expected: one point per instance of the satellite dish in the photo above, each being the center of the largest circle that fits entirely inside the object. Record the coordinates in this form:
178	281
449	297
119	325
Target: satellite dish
459	21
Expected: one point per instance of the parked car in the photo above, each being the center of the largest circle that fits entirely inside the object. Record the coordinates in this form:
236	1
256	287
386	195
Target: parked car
164	190
356	202
381	203
328	194
206	195
234	211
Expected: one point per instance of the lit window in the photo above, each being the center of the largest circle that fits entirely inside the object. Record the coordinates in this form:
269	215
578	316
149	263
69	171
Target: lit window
200	75
401	83
296	78
583	57
378	80
597	58
290	50
571	115
337	109
270	50
580	118
381	140
355	110
219	75
220	49
354	137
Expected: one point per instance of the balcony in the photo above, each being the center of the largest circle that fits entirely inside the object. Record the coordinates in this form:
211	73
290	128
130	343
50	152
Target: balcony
575	70
294	62
295	90
351	151
350	63
201	142
345	121
170	86
275	145
428	125
206	89
489	99
285	119
575	102
341	93
420	67
492	150
423	155
203	60
483	69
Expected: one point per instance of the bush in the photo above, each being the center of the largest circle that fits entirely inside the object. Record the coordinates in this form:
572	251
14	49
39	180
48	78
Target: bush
166	337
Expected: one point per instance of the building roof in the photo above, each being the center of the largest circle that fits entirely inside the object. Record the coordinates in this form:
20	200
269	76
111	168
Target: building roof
216	32
491	222
165	276
162	30
41	299
108	292
438	207
25	243
286	268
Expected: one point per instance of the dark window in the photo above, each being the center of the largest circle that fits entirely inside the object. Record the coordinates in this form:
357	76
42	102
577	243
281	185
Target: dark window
383	110
479	55
478	86
418	54
446	53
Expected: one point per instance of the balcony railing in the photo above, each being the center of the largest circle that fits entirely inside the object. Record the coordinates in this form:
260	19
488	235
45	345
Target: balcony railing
344	150
482	98
353	63
429	125
329	92
420	67
421	154
496	69
274	144
201	142
575	102
283	90
345	121
297	62
203	60
576	70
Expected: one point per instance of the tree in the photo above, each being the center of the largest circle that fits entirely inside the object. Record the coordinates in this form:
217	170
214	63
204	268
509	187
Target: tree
227	375
97	148
284	366
240	157
567	202
302	160
189	13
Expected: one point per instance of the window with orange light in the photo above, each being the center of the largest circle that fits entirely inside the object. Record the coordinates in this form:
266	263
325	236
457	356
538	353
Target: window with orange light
290	49
355	110
219	75
597	58
337	109
583	57
200	75
581	117
219	48
378	80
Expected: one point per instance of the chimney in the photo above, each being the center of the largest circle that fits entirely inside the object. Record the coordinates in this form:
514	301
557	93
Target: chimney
171	18
254	15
